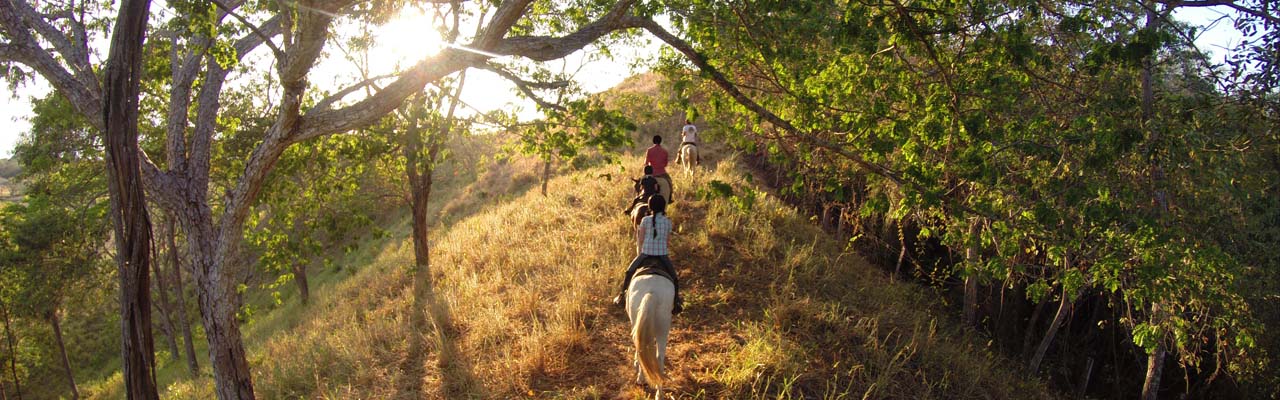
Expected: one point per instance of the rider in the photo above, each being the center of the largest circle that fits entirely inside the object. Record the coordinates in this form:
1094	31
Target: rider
648	187
657	157
652	236
689	136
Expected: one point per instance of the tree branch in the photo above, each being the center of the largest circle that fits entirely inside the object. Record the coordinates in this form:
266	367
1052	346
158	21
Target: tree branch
545	48
503	19
23	48
527	87
78	61
725	84
318	122
328	101
1229	3
259	33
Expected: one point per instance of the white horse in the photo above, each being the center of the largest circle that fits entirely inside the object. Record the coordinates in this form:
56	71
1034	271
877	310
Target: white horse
649	301
688	157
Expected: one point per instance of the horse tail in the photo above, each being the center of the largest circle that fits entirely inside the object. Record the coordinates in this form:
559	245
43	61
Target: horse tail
645	336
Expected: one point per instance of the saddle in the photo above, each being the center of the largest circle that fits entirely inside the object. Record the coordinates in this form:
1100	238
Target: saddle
653	270
653	266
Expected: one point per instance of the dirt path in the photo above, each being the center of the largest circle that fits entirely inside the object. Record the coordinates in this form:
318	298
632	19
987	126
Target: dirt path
701	336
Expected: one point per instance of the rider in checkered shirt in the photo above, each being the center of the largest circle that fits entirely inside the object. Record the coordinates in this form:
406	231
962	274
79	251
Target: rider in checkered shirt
652	236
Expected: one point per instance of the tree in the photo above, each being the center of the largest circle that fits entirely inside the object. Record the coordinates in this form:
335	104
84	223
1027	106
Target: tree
128	202
202	50
1019	114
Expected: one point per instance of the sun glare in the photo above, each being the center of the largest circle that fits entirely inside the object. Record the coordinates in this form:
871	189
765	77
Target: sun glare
403	41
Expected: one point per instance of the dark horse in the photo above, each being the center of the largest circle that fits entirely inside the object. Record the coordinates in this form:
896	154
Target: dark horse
644	188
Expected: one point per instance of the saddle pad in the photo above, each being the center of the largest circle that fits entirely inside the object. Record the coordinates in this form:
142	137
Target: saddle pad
652	270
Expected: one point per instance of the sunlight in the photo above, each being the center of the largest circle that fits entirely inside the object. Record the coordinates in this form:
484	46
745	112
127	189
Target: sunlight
403	41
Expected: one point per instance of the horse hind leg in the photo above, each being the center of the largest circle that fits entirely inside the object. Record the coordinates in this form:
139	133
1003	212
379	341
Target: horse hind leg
639	372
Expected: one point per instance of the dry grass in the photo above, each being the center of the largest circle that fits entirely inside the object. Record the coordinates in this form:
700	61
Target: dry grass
775	310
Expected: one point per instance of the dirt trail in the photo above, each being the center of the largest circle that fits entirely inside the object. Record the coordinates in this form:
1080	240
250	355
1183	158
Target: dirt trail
700	335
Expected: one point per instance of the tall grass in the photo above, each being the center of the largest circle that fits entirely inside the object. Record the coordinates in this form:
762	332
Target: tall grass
776	309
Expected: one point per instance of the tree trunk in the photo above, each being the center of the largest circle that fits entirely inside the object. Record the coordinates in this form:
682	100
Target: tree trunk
180	297
1155	368
166	313
13	355
419	167
1031	327
546	175
299	268
902	253
1064	308
971	278
422	290
62	350
1084	378
1155	363
218	306
129	207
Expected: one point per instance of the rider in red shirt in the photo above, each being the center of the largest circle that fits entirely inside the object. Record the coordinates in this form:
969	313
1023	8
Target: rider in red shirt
657	157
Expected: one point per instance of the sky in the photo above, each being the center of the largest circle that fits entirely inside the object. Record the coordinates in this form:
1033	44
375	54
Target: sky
410	37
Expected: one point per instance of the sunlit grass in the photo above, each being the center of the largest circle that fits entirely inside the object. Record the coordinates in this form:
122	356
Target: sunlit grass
776	309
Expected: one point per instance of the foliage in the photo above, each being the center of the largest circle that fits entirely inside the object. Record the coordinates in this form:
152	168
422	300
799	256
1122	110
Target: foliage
1026	117
52	243
566	130
320	197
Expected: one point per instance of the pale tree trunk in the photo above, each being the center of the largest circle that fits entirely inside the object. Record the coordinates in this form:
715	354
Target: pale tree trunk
1064	308
971	278
902	253
1155	361
129	206
62	350
13	355
1155	366
180	297
1031	324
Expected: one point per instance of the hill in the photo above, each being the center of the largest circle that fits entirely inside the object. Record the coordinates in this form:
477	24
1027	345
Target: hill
775	309
9	170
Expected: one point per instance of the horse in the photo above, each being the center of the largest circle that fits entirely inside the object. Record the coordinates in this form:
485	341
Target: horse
639	211
649	302
664	187
688	157
637	214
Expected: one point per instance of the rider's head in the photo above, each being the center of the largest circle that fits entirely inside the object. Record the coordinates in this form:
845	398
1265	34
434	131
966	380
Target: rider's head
688	122
648	170
657	139
657	204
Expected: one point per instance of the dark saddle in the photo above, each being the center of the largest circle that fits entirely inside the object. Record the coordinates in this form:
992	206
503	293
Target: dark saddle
653	266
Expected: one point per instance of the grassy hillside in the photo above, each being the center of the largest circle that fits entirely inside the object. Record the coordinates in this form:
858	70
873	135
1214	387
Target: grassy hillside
775	309
467	182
